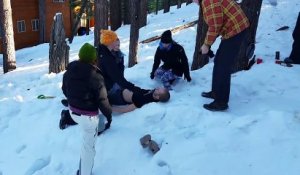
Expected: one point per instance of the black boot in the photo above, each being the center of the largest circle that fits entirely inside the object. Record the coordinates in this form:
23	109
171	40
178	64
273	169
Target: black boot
66	119
65	102
209	94
216	106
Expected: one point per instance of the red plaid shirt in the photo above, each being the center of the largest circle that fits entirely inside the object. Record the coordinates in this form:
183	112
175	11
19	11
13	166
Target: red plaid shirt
223	17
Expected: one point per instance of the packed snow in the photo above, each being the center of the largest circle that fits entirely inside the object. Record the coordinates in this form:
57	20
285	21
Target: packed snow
258	135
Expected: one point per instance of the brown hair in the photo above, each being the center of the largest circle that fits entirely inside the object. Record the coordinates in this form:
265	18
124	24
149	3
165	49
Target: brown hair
164	97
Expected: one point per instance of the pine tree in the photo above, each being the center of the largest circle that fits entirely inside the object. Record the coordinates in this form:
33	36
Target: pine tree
134	32
7	35
101	19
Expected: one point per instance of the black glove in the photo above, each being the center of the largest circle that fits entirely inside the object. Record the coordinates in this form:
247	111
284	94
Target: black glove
107	125
152	75
210	54
188	78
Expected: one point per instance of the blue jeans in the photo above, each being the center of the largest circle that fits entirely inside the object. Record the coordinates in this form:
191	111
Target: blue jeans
166	76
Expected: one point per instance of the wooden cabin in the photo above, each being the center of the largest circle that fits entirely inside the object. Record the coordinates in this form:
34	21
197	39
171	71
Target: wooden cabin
26	23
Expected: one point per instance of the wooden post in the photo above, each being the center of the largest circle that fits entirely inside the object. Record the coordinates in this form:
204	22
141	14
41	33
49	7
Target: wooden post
58	48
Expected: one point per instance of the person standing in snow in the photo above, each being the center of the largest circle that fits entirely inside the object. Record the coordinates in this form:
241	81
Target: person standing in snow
227	19
294	57
175	62
83	85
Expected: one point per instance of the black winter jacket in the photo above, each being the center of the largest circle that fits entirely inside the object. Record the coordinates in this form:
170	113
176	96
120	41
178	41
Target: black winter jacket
83	85
174	59
112	72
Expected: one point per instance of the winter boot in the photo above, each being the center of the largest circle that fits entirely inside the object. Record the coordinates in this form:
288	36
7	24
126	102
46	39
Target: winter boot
64	102
215	106
153	146
145	141
66	120
209	94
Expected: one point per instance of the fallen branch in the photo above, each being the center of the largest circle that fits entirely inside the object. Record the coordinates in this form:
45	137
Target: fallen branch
176	29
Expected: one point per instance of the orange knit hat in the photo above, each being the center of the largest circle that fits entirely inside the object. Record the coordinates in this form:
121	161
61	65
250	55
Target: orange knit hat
108	37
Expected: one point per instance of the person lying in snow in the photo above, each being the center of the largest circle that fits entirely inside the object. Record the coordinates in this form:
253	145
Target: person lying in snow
131	101
134	100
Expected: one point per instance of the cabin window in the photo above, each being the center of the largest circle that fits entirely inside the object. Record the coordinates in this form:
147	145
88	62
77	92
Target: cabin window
35	24
21	26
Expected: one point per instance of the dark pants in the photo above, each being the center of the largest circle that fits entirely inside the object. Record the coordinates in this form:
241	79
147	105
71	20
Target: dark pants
295	53
115	95
223	63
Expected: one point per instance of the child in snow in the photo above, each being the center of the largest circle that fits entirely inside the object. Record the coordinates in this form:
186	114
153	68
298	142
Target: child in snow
175	62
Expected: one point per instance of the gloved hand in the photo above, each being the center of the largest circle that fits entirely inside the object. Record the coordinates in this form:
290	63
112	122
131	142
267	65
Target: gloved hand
152	75
107	125
188	78
210	54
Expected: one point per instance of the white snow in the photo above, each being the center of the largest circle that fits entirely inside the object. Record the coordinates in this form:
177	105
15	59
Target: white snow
258	135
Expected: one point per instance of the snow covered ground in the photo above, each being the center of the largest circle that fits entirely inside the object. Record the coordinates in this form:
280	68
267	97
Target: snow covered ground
258	135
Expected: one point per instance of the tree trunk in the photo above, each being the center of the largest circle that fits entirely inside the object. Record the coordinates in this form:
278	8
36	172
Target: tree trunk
156	7
127	10
252	11
58	48
134	32
115	14
166	6
143	13
200	60
78	18
101	19
179	4
42	21
87	27
189	2
8	43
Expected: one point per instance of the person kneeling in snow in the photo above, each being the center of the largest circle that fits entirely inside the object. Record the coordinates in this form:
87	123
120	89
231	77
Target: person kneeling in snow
133	100
83	85
175	61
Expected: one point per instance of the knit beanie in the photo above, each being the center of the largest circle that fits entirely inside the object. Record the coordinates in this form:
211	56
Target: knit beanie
108	37
87	53
166	37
